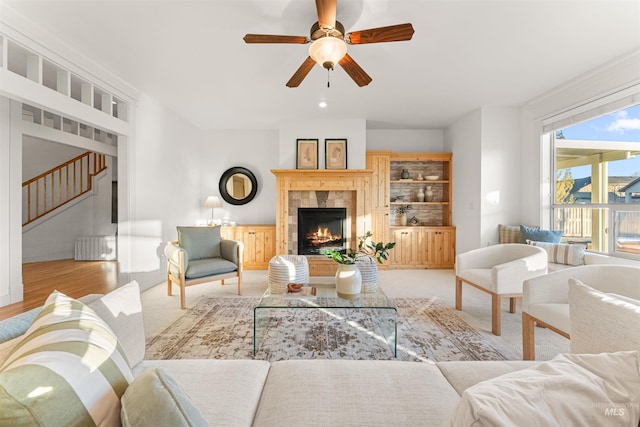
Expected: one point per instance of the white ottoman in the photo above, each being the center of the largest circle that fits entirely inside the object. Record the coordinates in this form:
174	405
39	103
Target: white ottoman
285	269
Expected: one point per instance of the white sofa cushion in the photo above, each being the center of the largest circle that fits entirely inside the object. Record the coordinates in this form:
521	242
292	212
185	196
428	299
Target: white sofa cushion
226	392
591	258
69	367
155	399
355	393
121	309
577	390
601	321
462	374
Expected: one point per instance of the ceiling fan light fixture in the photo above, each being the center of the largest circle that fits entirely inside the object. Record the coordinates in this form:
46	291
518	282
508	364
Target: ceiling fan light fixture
327	51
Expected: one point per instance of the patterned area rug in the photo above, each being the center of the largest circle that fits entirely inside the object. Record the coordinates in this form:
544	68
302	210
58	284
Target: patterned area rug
222	328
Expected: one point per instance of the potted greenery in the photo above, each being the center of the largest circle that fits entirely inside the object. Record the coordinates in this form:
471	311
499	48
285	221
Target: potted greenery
359	267
402	211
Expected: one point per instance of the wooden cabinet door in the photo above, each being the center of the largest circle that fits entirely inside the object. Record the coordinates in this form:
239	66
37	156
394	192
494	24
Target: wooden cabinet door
247	236
380	226
379	163
259	244
259	247
405	254
265	247
228	233
440	247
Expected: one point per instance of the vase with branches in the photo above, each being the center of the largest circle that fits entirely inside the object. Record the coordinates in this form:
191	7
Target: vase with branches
359	265
376	250
402	211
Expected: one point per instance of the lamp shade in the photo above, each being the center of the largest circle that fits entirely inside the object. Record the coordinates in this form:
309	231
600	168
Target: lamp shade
212	202
327	51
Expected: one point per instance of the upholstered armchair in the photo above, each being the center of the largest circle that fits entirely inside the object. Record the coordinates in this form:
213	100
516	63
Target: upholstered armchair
545	301
200	255
499	270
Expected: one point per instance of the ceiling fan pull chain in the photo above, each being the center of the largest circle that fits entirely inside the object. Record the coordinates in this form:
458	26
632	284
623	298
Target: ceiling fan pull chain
328	84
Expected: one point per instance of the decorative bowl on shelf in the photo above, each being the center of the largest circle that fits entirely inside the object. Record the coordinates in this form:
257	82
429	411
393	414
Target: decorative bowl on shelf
431	177
400	199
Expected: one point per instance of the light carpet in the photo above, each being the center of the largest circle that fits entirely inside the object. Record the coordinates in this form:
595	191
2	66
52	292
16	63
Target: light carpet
222	328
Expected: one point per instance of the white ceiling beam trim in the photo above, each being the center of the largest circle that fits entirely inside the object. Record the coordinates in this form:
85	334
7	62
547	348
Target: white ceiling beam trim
24	90
54	135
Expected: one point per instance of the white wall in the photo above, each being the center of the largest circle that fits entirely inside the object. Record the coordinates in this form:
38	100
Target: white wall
501	173
406	140
535	168
463	139
257	151
487	175
164	183
39	156
353	130
11	197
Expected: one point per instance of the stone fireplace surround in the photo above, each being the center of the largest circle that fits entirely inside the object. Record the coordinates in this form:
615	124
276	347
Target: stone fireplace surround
350	188
318	199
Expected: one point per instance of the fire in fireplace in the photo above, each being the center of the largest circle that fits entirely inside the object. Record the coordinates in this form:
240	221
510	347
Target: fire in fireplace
320	229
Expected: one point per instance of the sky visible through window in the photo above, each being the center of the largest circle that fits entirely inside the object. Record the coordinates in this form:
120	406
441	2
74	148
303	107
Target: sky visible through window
622	125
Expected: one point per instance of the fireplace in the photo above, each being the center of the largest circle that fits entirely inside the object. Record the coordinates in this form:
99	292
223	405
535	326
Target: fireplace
320	229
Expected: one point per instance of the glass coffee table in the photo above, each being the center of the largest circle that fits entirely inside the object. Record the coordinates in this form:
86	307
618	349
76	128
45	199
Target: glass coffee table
325	297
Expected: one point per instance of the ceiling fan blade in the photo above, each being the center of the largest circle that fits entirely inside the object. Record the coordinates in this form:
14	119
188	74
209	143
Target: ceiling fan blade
326	13
301	73
355	71
269	38
393	33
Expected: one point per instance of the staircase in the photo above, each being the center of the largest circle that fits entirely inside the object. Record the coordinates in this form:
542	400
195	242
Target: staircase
57	187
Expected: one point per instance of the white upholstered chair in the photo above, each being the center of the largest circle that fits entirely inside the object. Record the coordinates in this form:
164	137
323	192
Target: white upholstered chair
499	270
546	298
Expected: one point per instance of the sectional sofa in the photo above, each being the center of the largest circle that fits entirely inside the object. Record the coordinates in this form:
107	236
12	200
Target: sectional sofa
560	256
82	362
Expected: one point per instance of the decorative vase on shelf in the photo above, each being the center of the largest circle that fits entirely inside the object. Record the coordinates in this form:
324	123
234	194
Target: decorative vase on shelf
348	281
428	196
405	174
402	219
421	195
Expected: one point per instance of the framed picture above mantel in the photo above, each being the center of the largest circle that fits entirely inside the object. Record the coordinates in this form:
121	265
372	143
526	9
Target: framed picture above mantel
335	153
306	154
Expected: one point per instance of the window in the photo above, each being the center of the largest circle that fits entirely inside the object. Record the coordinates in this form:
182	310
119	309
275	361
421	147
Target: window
596	197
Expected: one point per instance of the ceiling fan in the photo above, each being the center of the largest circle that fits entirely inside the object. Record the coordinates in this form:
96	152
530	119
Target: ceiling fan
329	43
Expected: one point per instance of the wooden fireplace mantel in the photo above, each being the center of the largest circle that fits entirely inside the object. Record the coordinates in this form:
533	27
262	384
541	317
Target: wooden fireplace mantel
356	180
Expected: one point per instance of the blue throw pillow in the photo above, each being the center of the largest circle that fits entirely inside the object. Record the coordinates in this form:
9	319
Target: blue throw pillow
530	233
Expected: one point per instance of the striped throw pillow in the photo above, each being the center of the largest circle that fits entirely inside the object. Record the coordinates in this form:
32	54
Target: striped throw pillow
68	370
561	253
509	233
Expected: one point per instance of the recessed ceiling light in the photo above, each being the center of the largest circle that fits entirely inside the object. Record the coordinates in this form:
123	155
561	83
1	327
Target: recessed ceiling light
322	104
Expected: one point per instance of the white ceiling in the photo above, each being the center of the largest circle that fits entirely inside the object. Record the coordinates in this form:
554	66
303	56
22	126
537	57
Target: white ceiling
464	54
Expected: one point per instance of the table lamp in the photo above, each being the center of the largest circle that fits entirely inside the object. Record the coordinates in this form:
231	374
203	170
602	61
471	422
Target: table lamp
212	202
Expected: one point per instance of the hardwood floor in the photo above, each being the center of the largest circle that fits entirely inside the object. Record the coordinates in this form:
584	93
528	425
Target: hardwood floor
73	278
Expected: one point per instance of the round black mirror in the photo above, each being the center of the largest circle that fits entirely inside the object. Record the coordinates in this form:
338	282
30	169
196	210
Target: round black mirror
238	186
